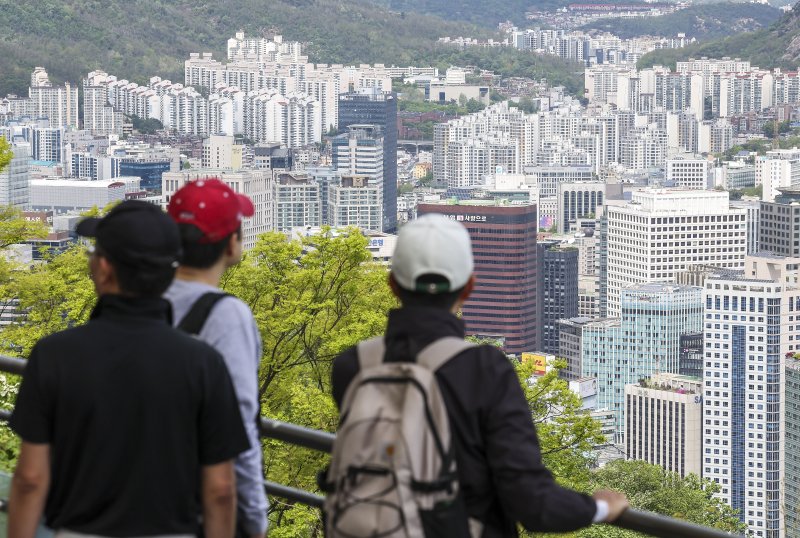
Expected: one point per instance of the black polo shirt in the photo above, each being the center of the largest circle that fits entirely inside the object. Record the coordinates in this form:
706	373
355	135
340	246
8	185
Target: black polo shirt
131	409
500	467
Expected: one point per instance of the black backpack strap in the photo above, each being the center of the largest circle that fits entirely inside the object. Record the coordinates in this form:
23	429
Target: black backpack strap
197	315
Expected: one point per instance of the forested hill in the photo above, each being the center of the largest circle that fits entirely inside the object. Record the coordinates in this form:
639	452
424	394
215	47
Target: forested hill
775	46
137	39
706	21
140	38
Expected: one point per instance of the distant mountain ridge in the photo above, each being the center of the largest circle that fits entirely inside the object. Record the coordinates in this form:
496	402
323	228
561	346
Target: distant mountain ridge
141	38
775	46
705	21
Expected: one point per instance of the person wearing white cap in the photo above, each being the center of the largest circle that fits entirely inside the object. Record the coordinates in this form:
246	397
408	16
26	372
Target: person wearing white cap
501	476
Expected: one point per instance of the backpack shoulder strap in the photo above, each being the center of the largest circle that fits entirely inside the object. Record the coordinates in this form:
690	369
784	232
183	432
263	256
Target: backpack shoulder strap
435	355
197	315
370	352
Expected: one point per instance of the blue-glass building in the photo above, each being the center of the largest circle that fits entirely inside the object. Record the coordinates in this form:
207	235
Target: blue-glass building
149	172
371	106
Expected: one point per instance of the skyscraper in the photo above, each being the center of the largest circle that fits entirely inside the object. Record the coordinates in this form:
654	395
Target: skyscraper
663	422
792	447
749	329
662	232
503	303
557	291
371	106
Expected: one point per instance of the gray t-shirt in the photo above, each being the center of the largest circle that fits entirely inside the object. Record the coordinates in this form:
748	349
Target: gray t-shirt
231	330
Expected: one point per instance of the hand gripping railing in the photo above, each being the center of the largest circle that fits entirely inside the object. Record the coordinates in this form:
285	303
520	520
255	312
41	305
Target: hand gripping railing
634	520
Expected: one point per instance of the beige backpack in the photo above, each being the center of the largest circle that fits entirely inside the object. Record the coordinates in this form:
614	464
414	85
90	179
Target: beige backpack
393	470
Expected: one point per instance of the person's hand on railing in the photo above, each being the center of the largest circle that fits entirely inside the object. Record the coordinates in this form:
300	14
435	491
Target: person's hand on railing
617	503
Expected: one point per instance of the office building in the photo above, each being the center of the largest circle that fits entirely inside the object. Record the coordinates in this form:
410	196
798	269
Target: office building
691	359
588	297
663	422
557	291
577	201
371	106
792	446
503	304
687	172
753	209
222	152
748	331
15	179
257	184
359	154
779	224
47	144
91	166
271	156
662	232
645	341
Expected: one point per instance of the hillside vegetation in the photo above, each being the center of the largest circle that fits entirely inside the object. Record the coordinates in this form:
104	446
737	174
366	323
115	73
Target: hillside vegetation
775	46
141	38
705	21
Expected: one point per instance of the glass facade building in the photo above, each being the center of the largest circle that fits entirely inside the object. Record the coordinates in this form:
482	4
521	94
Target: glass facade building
557	292
371	106
749	331
503	304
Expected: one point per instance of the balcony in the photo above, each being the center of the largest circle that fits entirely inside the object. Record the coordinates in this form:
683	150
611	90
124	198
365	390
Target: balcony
647	523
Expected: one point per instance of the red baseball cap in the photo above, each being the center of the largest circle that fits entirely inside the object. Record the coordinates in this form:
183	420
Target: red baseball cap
212	206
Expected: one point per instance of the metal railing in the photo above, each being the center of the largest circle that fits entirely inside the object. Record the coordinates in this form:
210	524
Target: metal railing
635	520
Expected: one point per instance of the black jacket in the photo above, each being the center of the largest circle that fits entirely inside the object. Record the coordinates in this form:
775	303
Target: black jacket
499	462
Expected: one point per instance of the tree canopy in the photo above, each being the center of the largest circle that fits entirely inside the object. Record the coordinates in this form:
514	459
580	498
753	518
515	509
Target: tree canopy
312	298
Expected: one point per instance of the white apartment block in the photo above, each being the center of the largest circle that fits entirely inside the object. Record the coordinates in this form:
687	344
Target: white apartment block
687	172
57	103
257	184
355	202
664	422
99	116
298	201
751	323
662	232
222	152
778	168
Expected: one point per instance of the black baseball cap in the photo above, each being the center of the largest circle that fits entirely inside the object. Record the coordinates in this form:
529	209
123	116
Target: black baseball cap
135	234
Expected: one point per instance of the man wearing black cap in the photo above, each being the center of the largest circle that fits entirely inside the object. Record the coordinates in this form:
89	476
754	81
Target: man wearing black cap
124	419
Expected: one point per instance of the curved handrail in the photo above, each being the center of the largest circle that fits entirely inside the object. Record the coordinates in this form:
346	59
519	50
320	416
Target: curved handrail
635	520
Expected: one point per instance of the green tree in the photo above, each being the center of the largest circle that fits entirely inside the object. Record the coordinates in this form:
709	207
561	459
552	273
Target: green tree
769	128
5	153
567	434
312	298
651	488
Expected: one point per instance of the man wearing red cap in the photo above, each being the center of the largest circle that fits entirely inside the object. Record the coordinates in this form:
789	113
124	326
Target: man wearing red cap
209	215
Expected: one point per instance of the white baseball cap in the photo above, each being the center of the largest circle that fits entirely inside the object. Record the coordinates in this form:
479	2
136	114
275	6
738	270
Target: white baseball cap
432	244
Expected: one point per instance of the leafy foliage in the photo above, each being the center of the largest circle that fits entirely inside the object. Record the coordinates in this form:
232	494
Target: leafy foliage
484	12
5	153
776	46
566	434
143	38
651	488
148	126
312	298
701	21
